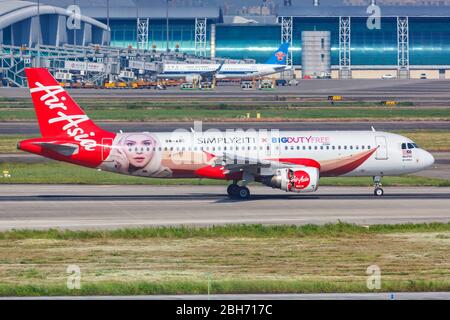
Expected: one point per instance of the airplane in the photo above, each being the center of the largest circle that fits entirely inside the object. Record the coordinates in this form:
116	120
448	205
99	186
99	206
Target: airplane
275	64
293	161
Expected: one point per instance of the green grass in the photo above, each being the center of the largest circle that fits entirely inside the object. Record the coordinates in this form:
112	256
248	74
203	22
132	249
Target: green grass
340	229
230	259
218	113
133	288
62	173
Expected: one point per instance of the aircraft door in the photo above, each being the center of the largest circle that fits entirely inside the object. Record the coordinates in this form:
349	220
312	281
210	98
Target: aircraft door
382	149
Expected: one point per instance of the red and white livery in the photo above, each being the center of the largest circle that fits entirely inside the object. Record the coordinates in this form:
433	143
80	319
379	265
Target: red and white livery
293	161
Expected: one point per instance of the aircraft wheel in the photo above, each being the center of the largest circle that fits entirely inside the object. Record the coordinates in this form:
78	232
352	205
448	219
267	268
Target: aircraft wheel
244	193
378	192
233	190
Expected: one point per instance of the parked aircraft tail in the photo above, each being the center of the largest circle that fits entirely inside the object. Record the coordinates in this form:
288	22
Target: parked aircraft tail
279	56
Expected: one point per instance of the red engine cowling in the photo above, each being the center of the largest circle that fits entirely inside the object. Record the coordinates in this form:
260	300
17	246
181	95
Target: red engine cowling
299	180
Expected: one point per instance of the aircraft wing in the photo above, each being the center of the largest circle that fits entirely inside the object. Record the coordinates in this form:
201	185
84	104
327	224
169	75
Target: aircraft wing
214	72
233	163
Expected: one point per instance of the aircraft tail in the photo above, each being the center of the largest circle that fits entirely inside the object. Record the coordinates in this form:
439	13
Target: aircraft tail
279	56
67	132
57	113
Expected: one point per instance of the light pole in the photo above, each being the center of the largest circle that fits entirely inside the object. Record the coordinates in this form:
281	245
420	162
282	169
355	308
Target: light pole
75	29
167	25
38	64
107	21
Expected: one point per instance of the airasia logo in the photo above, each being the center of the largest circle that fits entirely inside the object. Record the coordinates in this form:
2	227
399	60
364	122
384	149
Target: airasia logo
301	180
70	123
280	55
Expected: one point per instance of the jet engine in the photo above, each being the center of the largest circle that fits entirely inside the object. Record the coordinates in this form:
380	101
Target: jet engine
299	179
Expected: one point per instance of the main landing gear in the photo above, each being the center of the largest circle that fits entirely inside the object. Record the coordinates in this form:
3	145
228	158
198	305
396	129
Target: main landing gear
238	192
378	190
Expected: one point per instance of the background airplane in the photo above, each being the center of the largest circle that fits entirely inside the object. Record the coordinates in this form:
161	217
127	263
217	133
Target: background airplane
275	64
292	161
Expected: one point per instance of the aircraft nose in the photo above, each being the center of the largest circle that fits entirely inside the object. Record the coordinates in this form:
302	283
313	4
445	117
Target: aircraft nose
427	159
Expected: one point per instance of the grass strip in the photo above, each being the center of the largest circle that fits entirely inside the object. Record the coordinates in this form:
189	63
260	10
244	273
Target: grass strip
54	172
340	229
231	259
239	112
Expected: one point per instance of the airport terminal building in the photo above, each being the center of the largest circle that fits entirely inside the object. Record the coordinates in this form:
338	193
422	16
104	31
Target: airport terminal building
409	40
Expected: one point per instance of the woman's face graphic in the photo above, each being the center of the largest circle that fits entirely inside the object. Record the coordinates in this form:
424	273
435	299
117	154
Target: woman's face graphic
139	149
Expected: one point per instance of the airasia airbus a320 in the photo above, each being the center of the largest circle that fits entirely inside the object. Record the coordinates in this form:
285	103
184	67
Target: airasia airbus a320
293	161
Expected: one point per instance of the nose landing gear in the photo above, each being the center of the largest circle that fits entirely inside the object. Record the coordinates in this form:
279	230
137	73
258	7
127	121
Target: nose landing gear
238	192
378	190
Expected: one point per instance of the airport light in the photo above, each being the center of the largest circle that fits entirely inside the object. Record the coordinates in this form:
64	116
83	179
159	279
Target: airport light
107	20
74	29
39	34
167	25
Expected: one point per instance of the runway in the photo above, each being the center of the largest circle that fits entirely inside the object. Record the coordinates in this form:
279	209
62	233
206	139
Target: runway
100	207
32	128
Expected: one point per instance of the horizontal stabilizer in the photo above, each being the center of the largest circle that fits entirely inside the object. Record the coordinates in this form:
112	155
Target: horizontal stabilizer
66	149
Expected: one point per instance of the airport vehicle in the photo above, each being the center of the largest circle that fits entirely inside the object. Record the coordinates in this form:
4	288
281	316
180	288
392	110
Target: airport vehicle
275	64
387	76
423	76
281	82
293	161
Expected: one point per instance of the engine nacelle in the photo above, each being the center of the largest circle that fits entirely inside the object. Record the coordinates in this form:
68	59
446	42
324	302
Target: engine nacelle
299	180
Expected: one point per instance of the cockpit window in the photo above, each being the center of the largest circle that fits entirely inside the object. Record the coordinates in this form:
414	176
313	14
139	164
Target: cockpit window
409	146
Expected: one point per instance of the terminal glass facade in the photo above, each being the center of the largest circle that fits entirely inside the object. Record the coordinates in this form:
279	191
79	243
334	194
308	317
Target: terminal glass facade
429	39
374	46
247	41
181	33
